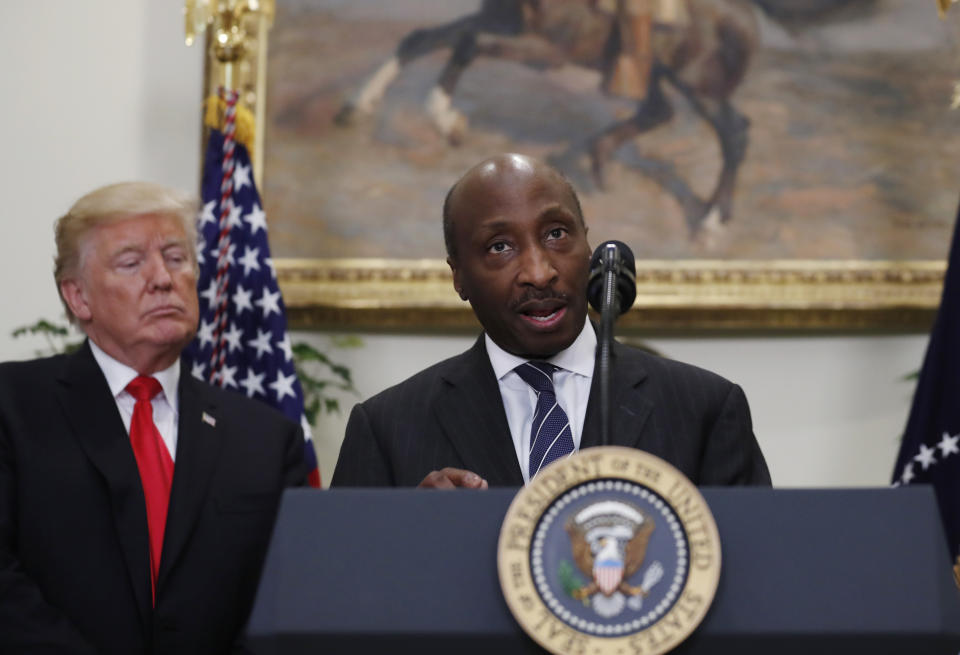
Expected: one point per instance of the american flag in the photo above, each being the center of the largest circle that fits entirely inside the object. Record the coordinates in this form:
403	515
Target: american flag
255	357
930	451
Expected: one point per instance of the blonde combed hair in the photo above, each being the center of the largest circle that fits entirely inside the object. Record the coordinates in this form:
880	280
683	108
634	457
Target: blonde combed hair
111	203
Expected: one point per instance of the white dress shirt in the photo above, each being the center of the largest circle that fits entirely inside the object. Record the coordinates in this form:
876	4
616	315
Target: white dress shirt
165	408
571	383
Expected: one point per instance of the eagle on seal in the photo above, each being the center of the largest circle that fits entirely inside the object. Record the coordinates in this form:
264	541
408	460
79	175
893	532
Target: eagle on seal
609	541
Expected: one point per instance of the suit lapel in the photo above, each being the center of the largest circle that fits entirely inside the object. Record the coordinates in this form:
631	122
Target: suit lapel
92	412
629	408
470	411
198	449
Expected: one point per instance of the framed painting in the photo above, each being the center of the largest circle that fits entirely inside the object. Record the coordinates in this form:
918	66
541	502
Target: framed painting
772	163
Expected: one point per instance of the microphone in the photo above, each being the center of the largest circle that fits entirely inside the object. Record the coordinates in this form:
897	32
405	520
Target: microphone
612	256
611	290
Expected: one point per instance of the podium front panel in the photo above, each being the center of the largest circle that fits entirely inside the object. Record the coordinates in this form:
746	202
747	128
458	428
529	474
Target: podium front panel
836	571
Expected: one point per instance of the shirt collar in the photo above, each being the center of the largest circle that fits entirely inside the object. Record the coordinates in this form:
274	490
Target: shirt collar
578	357
120	375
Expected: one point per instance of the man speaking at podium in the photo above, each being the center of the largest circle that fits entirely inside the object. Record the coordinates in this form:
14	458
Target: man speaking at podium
136	503
523	396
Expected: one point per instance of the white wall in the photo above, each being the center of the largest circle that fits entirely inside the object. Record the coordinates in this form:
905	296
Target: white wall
104	90
93	92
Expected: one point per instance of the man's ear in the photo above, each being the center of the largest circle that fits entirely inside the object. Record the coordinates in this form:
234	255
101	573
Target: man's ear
76	299
456	278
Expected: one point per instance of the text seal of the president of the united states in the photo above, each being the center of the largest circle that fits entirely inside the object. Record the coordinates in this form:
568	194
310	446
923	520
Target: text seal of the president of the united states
609	551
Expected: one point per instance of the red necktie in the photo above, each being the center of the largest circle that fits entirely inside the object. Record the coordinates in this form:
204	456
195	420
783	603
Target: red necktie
155	465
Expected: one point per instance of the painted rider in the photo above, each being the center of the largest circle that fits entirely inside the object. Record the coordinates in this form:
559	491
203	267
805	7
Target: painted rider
629	73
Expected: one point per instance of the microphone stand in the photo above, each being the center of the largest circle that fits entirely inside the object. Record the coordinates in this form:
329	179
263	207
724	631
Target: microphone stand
609	312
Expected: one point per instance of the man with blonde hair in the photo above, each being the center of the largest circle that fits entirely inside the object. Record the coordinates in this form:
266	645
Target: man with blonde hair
136	503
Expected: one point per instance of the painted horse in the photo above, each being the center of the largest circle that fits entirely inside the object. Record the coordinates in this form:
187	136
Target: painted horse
702	50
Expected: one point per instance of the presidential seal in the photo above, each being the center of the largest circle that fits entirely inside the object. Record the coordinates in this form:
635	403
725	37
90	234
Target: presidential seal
611	551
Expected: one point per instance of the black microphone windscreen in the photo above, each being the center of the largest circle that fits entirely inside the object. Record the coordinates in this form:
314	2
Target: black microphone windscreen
626	280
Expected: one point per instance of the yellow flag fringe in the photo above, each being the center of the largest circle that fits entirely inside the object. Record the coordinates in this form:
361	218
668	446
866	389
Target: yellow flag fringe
214	109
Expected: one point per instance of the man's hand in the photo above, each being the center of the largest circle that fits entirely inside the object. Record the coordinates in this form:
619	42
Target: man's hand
451	478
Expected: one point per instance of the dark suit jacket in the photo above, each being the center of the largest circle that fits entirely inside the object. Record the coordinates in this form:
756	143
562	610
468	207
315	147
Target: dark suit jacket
451	414
74	560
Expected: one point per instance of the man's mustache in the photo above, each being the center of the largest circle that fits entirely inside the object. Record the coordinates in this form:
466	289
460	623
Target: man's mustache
534	295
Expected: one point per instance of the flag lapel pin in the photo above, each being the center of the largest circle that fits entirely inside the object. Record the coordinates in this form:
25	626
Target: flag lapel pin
209	420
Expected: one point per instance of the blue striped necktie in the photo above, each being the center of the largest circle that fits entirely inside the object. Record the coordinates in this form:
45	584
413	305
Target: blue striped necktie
550	435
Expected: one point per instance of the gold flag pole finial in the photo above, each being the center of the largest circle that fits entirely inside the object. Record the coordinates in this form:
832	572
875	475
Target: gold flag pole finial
229	36
943	5
226	19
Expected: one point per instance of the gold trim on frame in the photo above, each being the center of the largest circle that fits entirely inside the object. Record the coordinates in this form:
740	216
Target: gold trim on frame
688	295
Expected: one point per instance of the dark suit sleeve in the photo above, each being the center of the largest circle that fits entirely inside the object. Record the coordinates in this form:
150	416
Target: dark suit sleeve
28	624
362	462
295	464
731	454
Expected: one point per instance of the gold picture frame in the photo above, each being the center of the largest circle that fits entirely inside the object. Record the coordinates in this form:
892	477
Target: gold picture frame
694	295
683	294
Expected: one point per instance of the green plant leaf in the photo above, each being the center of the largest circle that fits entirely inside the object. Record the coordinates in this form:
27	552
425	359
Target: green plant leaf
320	376
56	336
570	581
